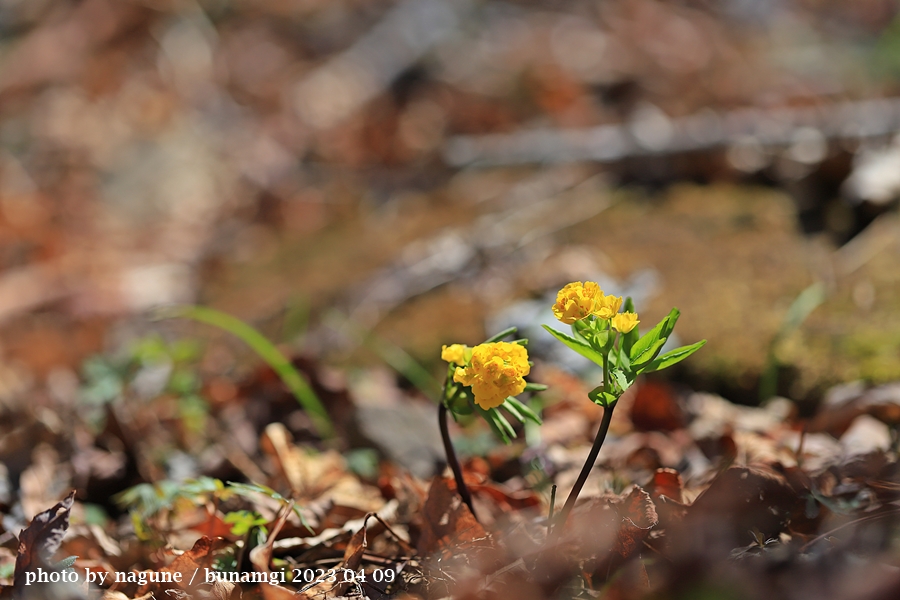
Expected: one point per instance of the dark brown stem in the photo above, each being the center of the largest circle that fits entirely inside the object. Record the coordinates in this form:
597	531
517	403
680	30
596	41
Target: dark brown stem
453	461
560	520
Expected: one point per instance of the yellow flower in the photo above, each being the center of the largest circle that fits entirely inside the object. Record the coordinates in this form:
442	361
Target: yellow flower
607	306
576	301
495	372
455	353
625	322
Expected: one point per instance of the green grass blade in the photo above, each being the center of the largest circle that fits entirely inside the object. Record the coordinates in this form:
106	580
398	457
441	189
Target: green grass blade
808	300
267	351
395	356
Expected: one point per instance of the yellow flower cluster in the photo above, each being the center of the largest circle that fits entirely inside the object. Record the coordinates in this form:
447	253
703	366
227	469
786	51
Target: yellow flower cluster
625	322
455	353
608	306
495	371
577	301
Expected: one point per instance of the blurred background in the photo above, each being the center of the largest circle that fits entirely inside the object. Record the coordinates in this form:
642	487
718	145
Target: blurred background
366	180
369	179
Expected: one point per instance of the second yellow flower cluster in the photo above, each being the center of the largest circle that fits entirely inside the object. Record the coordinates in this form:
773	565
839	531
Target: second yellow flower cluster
494	370
577	301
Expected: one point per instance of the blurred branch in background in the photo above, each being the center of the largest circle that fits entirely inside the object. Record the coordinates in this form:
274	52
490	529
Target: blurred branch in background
401	38
534	209
750	136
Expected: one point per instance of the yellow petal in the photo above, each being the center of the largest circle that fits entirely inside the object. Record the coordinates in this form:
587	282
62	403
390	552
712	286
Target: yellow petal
455	353
625	322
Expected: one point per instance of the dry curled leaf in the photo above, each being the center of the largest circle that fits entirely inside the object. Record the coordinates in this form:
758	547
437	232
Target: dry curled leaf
195	560
457	545
224	590
655	408
39	541
666	482
261	557
739	500
115	595
447	523
638	515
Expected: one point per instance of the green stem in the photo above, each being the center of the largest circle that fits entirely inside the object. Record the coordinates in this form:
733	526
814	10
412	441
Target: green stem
585	470
606	386
452	460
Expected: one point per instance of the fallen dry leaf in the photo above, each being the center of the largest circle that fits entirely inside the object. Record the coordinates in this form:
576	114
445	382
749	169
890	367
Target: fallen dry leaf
195	560
655	408
666	482
447	523
739	500
41	539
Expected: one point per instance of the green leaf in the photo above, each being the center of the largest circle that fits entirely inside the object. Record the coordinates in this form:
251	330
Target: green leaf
623	361
591	334
65	563
628	339
581	348
672	357
646	341
642	360
459	405
671	319
649	345
522	411
506	332
534	387
582	333
582	328
499	425
513	410
143	532
622	379
269	353
604	399
147	499
604	339
618	358
242	521
202	485
247	490
504	425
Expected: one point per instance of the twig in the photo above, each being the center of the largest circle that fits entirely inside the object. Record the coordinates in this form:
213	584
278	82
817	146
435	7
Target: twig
821	537
652	132
552	506
341	86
